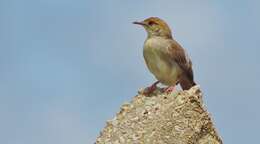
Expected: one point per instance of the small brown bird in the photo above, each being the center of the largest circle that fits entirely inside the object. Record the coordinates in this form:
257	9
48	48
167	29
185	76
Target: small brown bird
164	57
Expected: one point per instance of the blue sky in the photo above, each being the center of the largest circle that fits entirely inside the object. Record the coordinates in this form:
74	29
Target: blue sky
66	66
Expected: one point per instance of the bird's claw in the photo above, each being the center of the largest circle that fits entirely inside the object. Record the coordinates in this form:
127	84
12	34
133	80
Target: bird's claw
169	89
147	91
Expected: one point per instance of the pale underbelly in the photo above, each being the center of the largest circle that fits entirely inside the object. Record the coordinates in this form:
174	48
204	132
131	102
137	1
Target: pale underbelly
166	73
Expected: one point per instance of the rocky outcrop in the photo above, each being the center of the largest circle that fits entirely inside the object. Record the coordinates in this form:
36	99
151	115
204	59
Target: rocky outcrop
175	118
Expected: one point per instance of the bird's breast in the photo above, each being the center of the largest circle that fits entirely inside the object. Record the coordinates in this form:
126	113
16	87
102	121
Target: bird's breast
164	69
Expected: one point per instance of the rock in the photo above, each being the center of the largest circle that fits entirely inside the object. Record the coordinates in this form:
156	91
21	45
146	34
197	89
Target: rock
175	118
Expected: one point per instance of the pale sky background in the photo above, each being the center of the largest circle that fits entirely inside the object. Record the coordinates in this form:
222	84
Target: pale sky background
66	66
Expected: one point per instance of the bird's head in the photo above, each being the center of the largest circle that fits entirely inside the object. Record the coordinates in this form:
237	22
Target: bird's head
156	27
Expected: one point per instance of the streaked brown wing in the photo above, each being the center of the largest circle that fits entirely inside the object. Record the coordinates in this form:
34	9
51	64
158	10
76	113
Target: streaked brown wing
177	53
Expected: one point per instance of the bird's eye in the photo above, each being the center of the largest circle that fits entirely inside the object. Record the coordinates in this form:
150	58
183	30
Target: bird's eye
151	23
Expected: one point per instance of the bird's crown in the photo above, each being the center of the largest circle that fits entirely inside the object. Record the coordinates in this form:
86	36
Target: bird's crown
157	21
156	27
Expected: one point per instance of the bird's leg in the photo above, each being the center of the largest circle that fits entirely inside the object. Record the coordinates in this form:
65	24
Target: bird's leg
151	88
169	89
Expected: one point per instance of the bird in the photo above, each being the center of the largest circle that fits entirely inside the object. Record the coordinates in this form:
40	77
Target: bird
165	58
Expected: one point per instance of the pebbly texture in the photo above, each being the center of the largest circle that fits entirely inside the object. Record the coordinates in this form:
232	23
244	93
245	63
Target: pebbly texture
176	118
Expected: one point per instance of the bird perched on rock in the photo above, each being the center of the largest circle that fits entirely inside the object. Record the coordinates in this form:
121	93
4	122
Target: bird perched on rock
164	57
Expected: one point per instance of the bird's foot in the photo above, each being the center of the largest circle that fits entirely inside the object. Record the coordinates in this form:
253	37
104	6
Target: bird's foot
147	91
169	89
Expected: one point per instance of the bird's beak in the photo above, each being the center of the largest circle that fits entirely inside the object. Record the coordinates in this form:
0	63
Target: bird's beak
140	23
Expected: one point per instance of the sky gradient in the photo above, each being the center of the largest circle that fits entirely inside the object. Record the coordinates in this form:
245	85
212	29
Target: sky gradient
66	66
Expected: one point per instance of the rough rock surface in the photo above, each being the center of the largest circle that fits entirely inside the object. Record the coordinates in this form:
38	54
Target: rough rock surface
175	118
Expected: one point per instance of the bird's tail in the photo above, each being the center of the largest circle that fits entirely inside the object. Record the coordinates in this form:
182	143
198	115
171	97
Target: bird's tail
186	83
